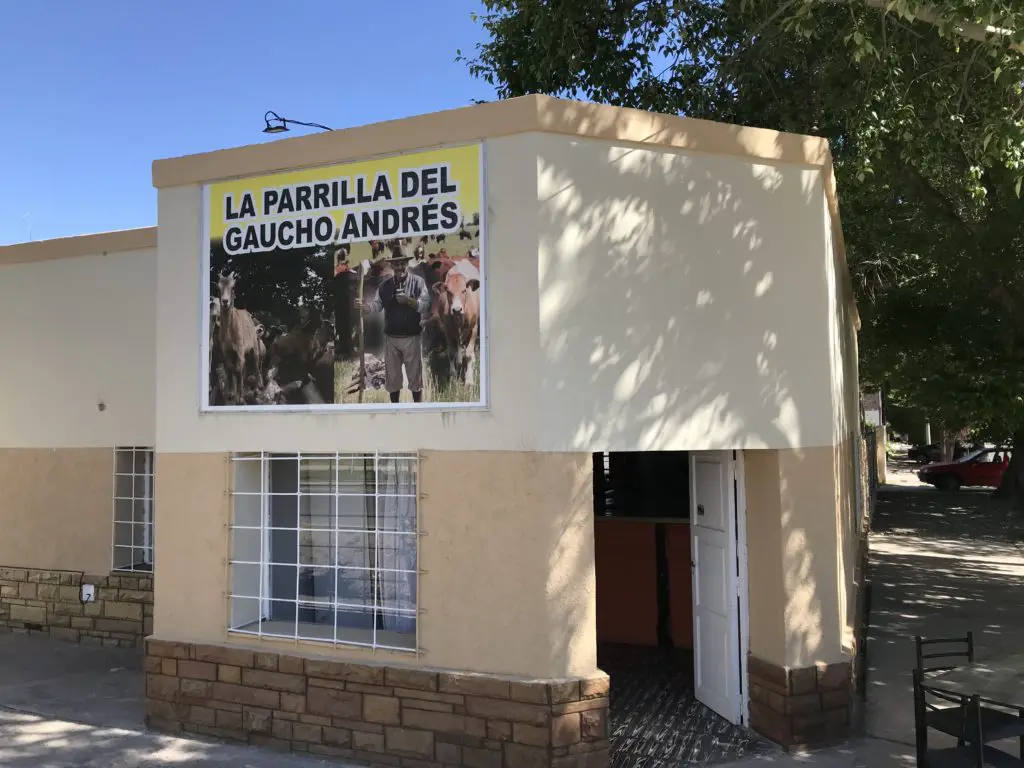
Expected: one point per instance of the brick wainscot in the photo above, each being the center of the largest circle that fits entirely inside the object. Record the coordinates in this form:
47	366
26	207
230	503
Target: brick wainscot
376	714
807	706
47	602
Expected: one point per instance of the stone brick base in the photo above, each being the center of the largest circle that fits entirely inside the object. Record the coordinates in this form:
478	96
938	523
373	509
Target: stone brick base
800	707
376	714
48	602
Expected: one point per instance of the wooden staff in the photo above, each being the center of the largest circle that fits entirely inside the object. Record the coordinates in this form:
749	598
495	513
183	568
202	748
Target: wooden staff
359	334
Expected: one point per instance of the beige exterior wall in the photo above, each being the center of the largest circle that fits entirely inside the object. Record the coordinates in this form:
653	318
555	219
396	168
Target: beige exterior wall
803	525
56	508
79	333
765	581
507	559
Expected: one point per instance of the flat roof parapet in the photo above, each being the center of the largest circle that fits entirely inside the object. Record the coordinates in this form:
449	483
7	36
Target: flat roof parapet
525	114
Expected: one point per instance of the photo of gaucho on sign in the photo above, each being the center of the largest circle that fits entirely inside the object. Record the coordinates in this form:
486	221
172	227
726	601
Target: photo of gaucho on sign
348	287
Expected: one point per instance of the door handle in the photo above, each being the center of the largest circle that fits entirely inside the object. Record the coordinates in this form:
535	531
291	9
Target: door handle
700	510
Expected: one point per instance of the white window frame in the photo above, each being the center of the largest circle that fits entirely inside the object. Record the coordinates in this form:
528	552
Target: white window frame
141	485
341	636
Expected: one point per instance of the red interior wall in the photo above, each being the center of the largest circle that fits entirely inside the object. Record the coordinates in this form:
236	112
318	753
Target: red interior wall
627	589
680	590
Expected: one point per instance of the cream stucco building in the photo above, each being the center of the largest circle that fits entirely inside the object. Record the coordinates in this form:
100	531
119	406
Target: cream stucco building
656	286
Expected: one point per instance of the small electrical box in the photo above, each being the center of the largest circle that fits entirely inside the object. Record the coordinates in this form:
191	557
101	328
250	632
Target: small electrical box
88	593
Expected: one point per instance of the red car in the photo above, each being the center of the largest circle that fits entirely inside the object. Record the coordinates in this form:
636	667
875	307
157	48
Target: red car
984	467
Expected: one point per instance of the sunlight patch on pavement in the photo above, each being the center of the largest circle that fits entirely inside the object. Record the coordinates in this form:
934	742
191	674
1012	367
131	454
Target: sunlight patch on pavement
1005	560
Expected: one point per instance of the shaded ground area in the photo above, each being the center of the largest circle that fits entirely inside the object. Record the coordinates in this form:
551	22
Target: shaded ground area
72	705
941	564
655	721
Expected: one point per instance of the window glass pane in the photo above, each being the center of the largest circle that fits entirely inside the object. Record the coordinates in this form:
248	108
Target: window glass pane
316	622
141	462
316	547
245	613
396	513
396	551
122	510
248	510
354	549
316	475
316	512
316	585
399	627
124	486
245	580
139	537
122	534
124	461
142	511
246	544
123	557
355	475
355	512
283	581
281	618
356	587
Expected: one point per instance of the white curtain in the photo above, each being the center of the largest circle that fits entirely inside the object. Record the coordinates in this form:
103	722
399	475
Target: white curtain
396	542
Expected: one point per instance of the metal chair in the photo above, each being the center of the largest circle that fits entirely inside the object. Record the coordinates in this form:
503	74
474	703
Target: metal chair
998	723
959	647
971	751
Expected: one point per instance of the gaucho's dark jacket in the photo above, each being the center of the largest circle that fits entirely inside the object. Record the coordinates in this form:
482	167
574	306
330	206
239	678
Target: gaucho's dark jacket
400	320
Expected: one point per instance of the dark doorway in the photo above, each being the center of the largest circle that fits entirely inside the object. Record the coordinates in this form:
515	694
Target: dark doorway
645	616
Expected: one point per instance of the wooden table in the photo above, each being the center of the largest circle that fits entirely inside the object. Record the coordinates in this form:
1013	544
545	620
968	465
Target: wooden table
998	680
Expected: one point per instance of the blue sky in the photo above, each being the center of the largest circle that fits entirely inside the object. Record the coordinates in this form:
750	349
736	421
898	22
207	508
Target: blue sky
93	92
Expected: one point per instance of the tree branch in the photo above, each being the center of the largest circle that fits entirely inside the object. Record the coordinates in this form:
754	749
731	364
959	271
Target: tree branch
932	195
982	33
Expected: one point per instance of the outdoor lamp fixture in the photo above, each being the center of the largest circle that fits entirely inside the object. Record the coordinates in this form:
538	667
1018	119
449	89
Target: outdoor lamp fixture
277	124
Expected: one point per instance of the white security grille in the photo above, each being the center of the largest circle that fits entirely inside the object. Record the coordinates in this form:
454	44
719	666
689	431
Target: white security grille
133	509
324	547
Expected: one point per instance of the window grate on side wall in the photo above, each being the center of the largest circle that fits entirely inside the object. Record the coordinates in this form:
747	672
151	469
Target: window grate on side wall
132	544
325	548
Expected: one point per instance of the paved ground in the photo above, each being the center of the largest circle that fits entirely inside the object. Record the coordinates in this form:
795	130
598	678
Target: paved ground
940	563
69	705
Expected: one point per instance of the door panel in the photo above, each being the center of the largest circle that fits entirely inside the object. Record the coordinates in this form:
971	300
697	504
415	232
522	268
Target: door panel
711	582
715	603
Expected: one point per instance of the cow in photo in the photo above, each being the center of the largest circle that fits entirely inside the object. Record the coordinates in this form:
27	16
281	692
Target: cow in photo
458	310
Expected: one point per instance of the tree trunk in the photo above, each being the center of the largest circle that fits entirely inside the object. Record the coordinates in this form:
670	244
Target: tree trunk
947	443
1012	486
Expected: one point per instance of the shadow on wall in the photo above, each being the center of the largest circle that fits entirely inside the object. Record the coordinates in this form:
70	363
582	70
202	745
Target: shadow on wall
675	297
679	284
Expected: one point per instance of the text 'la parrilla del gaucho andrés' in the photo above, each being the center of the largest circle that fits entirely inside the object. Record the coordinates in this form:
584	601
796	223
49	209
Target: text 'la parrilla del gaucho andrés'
300	215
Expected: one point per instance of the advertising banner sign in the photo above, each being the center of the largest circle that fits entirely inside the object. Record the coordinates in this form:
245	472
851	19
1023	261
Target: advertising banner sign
349	287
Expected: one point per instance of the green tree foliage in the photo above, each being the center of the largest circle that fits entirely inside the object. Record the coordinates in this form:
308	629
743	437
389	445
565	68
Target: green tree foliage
922	103
279	288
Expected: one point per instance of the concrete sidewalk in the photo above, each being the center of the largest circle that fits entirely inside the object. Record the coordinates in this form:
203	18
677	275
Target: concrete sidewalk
65	705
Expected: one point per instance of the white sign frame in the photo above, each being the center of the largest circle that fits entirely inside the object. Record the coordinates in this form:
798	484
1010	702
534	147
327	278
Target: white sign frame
484	404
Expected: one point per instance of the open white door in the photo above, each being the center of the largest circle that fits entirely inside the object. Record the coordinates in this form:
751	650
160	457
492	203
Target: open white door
716	607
